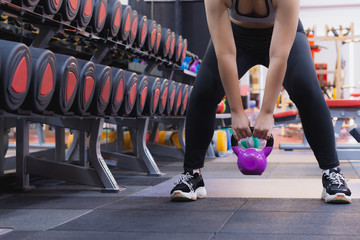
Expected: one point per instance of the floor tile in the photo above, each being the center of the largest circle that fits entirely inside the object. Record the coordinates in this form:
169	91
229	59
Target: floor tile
293	223
164	204
37	219
149	221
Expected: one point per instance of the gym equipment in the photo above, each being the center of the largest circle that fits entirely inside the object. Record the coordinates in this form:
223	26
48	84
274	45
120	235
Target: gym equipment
103	85
172	46
221	107
355	132
29	4
178	95
117	91
113	19
250	142
219	143
99	16
178	48
67	75
158	39
51	7
15	75
194	66
171	97
153	95
69	9
131	82
169	138
164	89
134	27
85	13
86	89
165	42
125	22
340	109
285	116
252	161
142	90
142	31
185	63
6	141
184	99
151	35
42	84
184	50
228	138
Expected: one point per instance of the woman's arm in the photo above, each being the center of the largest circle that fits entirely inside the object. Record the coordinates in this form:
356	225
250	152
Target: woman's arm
222	36
285	26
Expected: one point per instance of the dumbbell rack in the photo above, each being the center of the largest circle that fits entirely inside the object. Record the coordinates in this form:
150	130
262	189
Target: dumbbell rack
91	169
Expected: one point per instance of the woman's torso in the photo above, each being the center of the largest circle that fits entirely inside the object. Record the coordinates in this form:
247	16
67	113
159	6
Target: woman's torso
252	13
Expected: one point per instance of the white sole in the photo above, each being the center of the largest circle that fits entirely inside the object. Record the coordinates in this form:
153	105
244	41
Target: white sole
336	198
191	196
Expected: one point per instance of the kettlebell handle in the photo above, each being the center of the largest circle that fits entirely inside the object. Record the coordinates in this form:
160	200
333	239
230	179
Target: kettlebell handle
269	143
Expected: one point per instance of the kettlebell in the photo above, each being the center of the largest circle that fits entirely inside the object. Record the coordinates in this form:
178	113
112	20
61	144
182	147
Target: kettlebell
252	161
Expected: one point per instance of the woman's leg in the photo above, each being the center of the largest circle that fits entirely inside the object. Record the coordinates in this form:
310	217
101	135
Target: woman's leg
200	118
200	115
304	90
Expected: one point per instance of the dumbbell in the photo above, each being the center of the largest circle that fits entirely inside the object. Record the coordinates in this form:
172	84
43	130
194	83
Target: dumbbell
178	48
69	10
153	95
164	89
184	99
165	42
85	13
99	16
15	75
28	4
86	88
157	39
51	7
42	84
142	90
125	23
151	35
117	91
172	46
142	31
103	85
130	92
184	50
113	19
178	97
134	27
67	78
171	98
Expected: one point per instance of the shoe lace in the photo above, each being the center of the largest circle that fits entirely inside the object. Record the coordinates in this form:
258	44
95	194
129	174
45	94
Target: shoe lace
336	178
184	178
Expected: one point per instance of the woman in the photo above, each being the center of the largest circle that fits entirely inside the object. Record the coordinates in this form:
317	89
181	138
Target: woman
245	33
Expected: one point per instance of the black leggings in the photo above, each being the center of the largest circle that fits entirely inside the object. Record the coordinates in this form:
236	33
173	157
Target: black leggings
301	83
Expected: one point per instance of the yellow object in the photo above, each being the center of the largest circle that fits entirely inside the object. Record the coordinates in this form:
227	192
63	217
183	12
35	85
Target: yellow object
108	137
175	139
221	141
70	139
169	138
127	141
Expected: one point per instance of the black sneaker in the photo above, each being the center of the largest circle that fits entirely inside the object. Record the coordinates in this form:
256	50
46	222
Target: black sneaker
335	188
189	187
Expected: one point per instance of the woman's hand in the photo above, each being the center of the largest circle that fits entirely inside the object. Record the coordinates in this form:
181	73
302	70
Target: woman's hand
240	125
263	126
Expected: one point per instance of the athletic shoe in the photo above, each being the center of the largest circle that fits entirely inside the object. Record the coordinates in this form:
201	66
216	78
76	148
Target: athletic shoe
335	188
189	187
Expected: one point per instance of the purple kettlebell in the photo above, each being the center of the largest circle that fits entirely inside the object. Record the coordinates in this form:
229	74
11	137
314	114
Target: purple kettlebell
252	161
